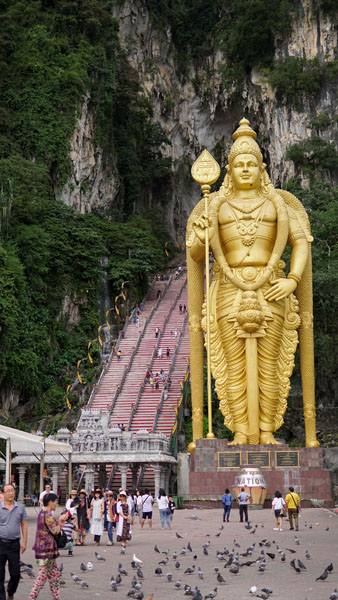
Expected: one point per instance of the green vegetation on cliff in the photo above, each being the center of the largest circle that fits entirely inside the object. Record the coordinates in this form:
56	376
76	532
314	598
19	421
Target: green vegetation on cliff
52	53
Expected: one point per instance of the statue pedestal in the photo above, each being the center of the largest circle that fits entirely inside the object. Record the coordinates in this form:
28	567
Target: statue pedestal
214	466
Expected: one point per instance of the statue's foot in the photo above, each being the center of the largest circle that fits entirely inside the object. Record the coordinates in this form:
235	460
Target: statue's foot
267	438
312	444
239	439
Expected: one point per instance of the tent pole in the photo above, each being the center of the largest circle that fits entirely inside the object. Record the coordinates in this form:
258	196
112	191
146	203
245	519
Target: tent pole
42	468
8	460
70	473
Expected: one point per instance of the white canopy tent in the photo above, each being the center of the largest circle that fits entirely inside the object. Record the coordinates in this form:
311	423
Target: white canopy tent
28	443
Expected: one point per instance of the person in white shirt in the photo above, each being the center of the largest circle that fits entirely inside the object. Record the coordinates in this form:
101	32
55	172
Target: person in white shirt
278	509
147	508
163	507
47	490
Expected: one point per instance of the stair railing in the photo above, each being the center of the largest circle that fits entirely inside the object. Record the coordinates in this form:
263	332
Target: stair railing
111	476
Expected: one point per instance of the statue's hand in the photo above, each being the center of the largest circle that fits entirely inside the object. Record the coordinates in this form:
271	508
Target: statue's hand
199	227
280	288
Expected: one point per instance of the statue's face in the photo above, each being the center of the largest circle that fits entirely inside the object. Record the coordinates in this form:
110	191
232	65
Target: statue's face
245	172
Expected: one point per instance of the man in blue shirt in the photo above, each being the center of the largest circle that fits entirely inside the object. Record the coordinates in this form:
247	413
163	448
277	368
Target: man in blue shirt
13	522
227	502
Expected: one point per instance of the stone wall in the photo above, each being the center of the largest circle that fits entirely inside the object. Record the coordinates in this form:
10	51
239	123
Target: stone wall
312	479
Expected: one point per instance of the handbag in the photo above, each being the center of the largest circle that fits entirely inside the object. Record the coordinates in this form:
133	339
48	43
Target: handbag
60	538
168	511
297	507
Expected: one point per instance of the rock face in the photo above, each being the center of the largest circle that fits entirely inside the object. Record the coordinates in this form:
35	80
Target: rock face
91	187
194	119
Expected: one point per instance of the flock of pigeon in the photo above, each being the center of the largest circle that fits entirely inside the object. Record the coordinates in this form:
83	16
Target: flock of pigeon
182	568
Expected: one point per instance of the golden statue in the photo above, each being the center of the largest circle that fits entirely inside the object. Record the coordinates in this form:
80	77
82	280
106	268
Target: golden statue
250	313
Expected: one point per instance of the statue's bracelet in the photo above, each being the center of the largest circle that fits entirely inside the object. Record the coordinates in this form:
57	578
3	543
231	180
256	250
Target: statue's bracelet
294	277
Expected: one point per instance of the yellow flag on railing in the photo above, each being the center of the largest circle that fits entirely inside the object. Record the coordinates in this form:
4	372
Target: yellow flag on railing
67	401
77	370
89	356
98	335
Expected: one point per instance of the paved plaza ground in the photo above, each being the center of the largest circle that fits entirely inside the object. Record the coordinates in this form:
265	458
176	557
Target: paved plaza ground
199	527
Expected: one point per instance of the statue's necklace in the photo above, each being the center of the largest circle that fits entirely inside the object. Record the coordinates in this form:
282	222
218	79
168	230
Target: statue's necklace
247	207
248	231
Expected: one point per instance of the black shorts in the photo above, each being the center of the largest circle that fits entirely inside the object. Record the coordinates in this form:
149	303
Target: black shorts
147	514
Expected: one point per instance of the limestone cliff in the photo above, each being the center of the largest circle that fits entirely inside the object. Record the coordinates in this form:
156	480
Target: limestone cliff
205	117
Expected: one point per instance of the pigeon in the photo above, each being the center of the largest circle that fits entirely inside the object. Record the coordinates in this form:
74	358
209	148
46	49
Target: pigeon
267	590
131	592
118	579
174	555
263	595
99	557
212	594
291	550
297	540
156	549
221	528
28	571
178	584
271	555
236	544
261	567
133	564
189	570
121	570
60	568
83	567
123	550
200	573
75	578
294	566
140	596
334	595
180	537
327	528
183	551
205	552
137	560
220	579
218	534
169	576
301	565
90	566
329	568
139	573
234	569
177	565
164	561
158	571
323	576
283	557
83	584
189	547
166	552
307	554
253	590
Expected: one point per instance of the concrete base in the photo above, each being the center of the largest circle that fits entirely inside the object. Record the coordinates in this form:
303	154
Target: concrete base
311	479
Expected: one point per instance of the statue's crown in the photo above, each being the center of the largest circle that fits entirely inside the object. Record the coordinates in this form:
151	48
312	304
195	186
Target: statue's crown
245	142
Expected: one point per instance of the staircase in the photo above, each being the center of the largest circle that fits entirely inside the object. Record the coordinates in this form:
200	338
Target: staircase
122	391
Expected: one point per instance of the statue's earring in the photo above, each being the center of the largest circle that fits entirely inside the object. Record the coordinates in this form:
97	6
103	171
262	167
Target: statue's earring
265	179
227	183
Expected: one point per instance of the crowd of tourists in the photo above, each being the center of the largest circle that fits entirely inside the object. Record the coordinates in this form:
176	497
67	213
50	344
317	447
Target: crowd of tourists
98	513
